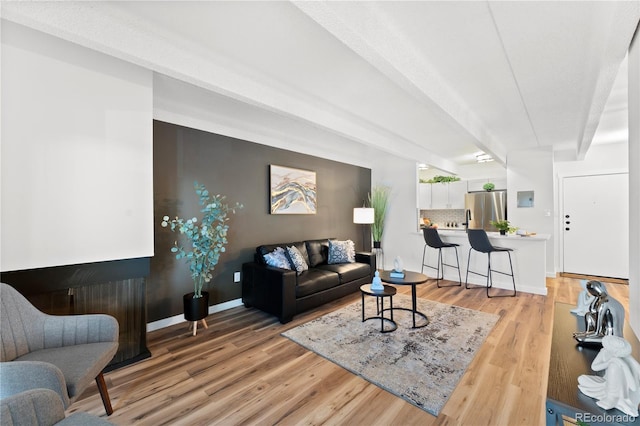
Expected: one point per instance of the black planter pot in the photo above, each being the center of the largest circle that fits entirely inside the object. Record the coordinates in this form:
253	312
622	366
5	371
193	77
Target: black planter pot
376	244
503	232
195	309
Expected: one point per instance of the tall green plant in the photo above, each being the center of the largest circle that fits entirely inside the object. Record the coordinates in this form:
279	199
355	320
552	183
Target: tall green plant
206	239
379	200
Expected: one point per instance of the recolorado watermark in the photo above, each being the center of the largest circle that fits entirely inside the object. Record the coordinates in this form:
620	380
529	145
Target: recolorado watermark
604	418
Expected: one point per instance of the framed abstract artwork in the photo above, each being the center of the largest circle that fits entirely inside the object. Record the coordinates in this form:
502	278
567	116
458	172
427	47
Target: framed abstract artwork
292	191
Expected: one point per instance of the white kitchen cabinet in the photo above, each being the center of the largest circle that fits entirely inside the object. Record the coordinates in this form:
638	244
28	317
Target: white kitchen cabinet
424	196
449	195
457	190
439	195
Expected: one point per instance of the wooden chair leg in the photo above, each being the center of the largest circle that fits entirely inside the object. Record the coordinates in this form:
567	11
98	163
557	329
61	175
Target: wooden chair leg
104	394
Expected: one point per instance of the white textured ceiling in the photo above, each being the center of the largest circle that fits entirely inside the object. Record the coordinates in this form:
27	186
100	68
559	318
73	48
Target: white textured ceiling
435	81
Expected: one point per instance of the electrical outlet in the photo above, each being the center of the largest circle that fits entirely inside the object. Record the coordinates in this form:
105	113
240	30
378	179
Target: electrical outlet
236	277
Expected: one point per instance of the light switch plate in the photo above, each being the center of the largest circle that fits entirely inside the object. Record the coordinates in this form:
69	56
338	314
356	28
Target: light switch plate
236	277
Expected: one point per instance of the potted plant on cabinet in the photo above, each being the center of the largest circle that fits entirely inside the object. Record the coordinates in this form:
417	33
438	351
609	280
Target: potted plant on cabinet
379	200
502	225
206	242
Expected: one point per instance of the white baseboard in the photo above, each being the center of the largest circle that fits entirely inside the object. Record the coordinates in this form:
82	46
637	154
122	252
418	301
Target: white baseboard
177	319
502	283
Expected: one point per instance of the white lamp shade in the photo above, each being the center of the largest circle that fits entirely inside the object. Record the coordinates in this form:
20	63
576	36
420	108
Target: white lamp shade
363	215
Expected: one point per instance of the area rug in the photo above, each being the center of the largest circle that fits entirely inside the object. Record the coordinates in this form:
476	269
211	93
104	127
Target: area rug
422	365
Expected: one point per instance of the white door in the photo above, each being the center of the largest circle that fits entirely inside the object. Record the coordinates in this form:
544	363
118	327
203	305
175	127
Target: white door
595	225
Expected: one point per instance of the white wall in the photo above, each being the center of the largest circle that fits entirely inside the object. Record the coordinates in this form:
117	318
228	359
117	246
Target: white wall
634	183
187	105
532	170
401	236
485	171
600	159
77	182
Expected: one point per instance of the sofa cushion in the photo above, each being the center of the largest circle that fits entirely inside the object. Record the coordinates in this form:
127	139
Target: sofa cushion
277	258
315	280
348	271
318	252
296	259
341	252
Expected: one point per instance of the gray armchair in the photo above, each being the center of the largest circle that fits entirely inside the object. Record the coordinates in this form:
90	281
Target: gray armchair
63	353
42	407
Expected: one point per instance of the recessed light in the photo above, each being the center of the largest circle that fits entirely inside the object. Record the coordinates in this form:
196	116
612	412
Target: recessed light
483	158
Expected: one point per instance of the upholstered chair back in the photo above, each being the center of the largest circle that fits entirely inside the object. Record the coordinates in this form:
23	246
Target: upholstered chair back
24	329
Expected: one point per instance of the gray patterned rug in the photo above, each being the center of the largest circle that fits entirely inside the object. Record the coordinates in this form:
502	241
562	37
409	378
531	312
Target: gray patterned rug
422	366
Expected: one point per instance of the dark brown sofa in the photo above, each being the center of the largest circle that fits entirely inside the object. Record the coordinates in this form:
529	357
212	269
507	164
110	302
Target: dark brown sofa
284	293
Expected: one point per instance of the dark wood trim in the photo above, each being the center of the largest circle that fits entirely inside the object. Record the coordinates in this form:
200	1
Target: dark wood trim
116	288
40	280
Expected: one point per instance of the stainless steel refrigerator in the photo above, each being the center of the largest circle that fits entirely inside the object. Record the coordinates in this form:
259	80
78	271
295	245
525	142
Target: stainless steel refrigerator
483	207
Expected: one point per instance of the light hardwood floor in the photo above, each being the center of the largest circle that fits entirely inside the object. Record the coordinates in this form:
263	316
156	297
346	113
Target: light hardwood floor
242	371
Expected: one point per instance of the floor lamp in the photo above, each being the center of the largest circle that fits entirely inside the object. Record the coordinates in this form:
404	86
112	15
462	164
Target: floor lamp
364	217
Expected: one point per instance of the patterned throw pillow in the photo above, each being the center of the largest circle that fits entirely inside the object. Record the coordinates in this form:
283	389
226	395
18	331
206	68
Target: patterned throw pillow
341	252
277	258
297	260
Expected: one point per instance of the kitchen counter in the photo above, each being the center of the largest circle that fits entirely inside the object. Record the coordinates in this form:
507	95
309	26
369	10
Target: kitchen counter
496	235
529	260
444	228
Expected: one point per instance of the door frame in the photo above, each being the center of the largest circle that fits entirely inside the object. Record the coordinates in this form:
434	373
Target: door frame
559	218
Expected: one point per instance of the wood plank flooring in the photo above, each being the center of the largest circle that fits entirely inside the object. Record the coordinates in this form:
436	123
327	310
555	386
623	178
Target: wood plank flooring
241	371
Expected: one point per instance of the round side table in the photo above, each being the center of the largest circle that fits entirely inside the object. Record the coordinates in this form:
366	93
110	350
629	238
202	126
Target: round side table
389	292
412	279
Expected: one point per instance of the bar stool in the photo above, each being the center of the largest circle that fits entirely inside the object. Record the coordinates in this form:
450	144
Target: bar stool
480	242
432	239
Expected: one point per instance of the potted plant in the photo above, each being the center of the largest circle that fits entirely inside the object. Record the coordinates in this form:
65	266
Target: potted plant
379	200
206	240
502	225
488	186
443	179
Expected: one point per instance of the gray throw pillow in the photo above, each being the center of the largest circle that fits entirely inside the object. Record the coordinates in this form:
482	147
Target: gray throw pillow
341	252
297	260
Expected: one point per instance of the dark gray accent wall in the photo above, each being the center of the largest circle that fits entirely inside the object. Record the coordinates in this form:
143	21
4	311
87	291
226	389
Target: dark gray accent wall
240	170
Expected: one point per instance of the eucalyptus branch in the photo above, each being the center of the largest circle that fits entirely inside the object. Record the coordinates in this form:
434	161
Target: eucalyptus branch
207	238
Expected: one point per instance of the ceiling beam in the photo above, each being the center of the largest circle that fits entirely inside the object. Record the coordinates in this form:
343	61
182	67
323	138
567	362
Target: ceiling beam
105	27
371	34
